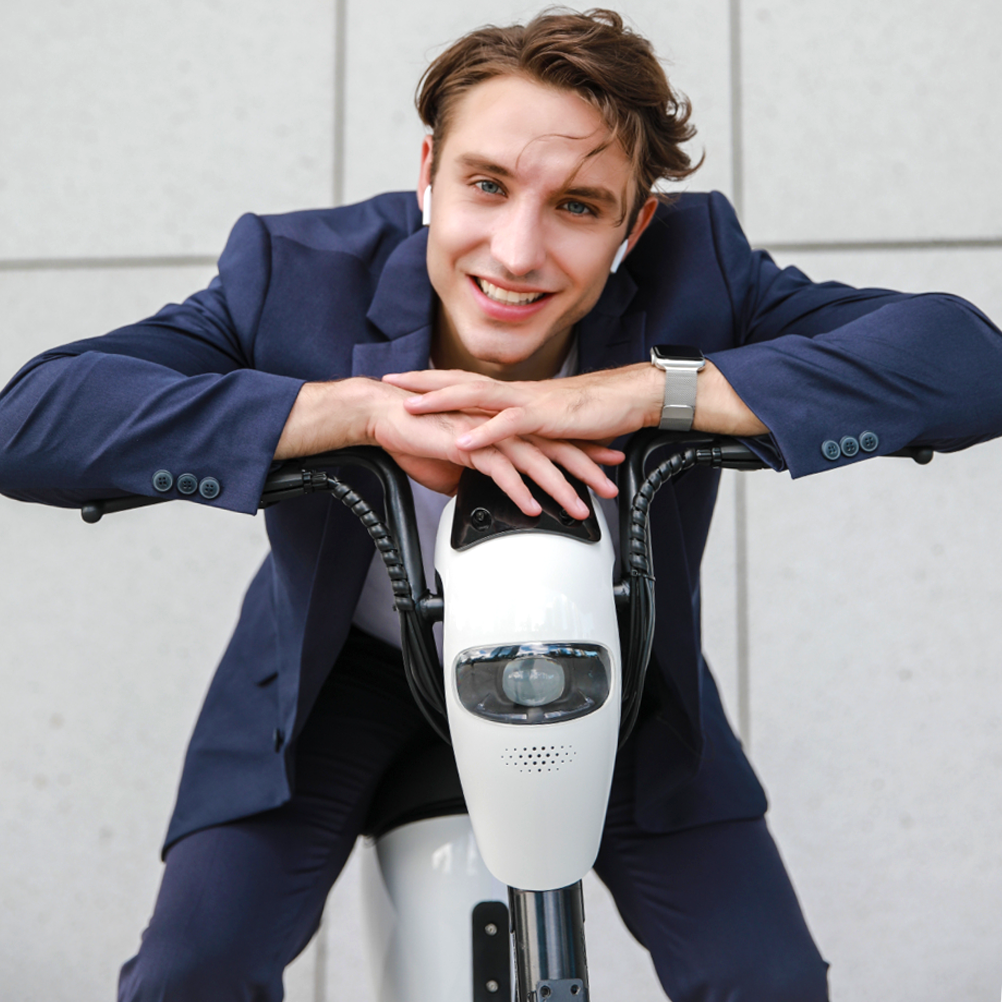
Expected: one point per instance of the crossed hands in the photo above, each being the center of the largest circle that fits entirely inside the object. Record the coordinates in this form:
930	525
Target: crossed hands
503	429
437	422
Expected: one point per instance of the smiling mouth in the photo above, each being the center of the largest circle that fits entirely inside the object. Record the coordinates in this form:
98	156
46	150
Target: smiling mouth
506	296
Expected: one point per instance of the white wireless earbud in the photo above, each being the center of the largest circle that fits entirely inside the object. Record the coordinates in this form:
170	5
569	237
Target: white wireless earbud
426	207
618	259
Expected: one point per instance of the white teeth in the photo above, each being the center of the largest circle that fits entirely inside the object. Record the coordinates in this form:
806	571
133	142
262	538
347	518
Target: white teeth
506	296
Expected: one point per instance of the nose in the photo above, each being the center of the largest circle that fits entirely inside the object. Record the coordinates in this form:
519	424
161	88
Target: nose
518	243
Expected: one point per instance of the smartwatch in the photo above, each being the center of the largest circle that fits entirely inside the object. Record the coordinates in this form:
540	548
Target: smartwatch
680	363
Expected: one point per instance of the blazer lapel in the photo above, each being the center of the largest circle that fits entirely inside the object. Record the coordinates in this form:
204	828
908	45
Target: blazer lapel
402	311
606	338
410	351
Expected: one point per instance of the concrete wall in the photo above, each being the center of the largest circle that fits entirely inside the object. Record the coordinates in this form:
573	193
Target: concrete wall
851	617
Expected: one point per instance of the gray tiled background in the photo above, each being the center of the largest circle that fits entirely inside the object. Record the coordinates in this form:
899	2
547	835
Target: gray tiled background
852	618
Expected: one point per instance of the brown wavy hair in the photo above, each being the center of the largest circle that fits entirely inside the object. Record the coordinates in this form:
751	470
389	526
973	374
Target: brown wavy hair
592	54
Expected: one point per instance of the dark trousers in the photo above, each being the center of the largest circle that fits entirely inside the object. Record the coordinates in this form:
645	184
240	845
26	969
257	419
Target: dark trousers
239	901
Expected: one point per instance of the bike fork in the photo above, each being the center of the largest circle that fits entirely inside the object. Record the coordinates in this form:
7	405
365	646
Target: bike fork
549	941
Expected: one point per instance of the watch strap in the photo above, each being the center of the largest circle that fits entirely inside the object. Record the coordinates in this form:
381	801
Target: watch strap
679	405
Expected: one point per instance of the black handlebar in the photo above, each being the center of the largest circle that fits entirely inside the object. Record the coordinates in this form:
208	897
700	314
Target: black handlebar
295	477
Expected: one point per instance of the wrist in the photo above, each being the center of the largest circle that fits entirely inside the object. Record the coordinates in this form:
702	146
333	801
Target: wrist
650	393
327	416
719	409
362	401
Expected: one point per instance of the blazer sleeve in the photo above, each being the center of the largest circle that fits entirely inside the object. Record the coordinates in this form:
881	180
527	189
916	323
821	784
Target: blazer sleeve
821	362
176	392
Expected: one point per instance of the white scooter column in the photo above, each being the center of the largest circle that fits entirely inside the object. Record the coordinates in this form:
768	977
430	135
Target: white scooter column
436	920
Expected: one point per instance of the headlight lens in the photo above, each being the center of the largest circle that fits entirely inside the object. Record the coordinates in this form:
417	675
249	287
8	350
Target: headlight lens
533	683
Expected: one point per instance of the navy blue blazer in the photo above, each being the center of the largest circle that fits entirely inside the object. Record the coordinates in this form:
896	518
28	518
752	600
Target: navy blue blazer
205	388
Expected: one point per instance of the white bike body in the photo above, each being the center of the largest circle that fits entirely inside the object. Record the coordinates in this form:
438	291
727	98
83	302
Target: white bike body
420	884
536	792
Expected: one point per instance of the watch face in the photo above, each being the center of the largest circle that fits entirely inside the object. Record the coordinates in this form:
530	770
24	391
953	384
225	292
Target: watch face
683	352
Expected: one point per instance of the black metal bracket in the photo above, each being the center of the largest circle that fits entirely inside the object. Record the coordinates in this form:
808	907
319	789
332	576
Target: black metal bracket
491	952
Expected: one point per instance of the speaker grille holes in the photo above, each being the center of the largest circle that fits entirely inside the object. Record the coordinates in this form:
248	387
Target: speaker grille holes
538	758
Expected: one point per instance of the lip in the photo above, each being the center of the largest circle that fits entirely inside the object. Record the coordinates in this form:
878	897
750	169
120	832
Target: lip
507	311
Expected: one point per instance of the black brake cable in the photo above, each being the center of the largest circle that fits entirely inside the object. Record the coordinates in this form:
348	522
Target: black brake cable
422	666
640	635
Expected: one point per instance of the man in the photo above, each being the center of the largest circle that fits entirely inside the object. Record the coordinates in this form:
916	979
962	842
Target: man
545	255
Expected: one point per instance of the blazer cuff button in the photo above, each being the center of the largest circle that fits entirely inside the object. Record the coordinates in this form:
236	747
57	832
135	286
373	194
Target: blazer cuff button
831	450
187	483
849	446
163	481
868	441
209	488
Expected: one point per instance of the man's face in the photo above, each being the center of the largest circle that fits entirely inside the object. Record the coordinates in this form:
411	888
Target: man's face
524	225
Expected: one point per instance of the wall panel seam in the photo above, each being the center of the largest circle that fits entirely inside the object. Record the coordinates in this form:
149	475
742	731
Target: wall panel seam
340	85
919	244
741	625
77	263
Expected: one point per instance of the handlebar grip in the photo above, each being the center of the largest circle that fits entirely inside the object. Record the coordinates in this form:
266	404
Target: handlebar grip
920	454
93	511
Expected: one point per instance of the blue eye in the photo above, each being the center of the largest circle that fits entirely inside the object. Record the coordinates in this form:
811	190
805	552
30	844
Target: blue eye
577	208
489	187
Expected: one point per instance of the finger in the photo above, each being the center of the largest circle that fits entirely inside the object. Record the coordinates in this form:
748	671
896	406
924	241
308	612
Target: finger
512	422
425	380
577	462
435	474
600	453
532	461
496	465
481	394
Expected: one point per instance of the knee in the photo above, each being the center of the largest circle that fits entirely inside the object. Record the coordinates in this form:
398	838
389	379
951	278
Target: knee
802	979
182	970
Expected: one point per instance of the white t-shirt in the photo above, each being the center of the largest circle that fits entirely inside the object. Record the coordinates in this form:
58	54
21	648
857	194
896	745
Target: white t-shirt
374	612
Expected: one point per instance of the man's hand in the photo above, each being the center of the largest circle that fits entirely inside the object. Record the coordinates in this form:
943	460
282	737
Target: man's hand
597	406
364	412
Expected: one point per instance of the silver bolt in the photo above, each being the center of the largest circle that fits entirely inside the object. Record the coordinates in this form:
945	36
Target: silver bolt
491	929
492	986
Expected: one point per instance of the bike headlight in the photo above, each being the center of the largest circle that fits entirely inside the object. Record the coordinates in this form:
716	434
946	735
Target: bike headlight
533	683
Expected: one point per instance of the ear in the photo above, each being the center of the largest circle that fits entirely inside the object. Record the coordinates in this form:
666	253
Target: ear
424	174
644	217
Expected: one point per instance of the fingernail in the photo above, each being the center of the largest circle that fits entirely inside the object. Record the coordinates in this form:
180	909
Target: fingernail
464	441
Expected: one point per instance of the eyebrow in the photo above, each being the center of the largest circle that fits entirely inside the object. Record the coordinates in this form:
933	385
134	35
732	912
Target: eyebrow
601	195
486	166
